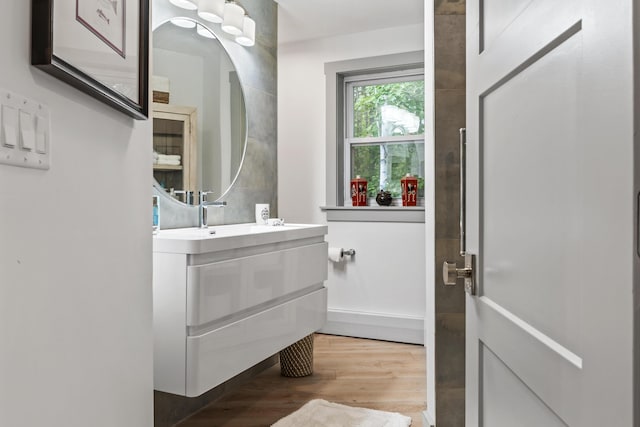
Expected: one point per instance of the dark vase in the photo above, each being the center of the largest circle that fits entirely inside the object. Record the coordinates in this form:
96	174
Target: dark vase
384	198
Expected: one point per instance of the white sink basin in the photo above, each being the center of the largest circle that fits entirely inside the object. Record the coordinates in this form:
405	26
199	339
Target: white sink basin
224	237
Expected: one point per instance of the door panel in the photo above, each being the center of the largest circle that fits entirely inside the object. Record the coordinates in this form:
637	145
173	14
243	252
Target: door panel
551	371
550	213
531	194
520	407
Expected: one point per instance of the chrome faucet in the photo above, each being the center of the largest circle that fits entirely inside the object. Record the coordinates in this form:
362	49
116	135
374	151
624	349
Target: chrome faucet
187	195
204	205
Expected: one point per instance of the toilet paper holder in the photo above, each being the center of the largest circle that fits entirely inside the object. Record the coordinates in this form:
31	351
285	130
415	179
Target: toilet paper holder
338	254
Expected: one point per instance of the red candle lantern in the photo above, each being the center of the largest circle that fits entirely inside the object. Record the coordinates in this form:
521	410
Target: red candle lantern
359	191
409	186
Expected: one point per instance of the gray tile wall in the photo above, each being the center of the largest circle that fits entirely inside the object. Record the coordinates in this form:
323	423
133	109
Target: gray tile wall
449	301
257	182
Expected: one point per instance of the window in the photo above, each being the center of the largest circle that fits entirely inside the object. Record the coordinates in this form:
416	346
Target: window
383	138
381	153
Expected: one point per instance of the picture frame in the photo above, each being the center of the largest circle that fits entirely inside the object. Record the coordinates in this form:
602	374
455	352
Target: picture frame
100	47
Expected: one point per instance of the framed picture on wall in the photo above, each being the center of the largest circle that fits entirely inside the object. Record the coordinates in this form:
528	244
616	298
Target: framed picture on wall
98	46
106	19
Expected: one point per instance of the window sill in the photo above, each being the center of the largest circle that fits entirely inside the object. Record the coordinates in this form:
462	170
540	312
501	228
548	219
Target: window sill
374	213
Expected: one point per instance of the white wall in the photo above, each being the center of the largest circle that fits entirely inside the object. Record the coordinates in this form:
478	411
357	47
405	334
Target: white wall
386	280
380	292
75	259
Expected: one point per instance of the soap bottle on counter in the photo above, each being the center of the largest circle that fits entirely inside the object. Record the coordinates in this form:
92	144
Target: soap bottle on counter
156	214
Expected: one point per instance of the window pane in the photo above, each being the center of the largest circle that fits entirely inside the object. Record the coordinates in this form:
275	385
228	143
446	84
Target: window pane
383	165
388	109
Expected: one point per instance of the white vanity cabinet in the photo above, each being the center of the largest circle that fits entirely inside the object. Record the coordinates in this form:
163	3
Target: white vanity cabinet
226	301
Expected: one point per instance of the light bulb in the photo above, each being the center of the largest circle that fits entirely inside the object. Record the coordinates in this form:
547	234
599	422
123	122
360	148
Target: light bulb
248	36
205	32
211	10
183	22
185	4
233	18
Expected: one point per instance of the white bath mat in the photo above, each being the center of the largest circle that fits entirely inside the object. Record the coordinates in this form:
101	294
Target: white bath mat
320	413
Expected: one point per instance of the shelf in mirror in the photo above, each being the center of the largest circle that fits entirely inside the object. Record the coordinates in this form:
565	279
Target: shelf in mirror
174	136
167	167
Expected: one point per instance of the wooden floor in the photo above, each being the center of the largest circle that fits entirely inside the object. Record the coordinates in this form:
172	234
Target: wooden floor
352	371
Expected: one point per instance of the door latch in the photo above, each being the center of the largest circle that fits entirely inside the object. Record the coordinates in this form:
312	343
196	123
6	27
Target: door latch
450	273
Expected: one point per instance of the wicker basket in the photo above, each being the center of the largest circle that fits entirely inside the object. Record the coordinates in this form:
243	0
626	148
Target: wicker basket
297	359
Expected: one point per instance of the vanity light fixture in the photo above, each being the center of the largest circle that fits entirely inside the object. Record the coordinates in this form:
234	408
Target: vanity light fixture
228	13
211	10
185	4
233	18
183	22
248	36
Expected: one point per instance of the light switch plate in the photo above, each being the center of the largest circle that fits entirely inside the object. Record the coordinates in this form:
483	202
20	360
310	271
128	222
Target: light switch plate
25	132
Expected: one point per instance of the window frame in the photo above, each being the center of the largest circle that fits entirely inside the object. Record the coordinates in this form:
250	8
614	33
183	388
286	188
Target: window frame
335	73
346	140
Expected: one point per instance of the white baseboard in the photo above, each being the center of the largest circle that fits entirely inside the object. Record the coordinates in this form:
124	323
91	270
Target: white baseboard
375	326
427	421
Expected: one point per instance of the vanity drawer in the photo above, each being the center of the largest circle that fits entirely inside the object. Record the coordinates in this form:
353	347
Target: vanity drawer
221	289
217	356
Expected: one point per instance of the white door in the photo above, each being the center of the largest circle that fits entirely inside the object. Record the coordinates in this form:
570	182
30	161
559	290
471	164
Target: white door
550	213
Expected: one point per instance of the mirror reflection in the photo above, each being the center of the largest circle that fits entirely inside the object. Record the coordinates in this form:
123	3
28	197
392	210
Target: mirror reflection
199	117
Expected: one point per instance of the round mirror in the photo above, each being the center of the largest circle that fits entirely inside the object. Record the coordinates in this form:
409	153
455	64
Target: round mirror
199	117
